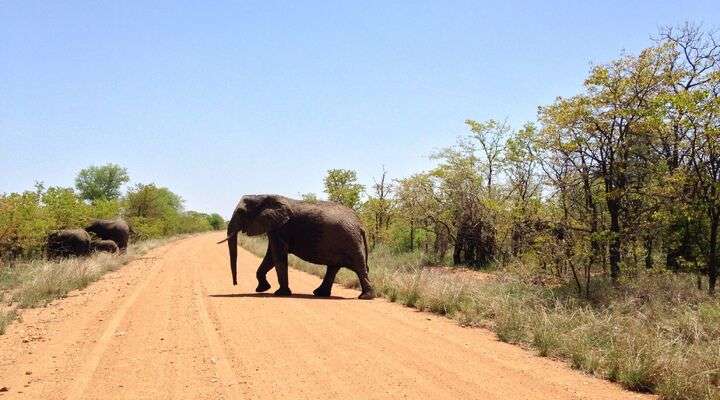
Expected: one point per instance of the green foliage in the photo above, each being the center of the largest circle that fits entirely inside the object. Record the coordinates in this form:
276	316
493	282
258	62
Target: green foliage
341	187
63	208
27	218
216	221
155	212
106	209
309	197
101	183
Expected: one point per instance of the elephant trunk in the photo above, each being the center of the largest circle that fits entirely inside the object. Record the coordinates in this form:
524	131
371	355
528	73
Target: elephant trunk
232	248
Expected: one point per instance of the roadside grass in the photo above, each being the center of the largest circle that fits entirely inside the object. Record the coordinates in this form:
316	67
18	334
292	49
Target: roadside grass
35	283
6	317
656	333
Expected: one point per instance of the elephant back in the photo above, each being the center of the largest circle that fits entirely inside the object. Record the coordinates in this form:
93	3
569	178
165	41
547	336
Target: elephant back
116	230
68	242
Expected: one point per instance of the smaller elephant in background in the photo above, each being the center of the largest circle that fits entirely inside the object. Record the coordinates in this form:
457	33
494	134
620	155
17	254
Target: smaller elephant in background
68	243
104	245
116	230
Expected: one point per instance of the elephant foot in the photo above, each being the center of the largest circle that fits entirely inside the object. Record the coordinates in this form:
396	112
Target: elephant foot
321	292
283	292
262	287
366	296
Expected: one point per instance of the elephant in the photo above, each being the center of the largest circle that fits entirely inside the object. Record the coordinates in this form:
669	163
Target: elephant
68	242
320	232
107	229
104	245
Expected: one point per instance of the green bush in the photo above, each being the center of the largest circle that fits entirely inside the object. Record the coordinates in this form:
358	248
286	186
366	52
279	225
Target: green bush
153	212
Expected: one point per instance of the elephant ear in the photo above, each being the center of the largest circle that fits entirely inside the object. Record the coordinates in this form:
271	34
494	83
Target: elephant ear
272	213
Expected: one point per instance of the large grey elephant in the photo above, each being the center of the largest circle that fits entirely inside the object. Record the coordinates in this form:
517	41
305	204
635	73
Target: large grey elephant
319	232
67	242
116	230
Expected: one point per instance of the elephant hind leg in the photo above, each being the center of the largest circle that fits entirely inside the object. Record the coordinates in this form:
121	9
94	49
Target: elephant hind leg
325	288
367	290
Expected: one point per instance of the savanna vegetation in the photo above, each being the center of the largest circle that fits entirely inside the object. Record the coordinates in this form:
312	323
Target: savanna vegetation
28	280
152	211
599	223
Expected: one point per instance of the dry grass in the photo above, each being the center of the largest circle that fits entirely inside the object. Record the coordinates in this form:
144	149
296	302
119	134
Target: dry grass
655	333
35	283
6	317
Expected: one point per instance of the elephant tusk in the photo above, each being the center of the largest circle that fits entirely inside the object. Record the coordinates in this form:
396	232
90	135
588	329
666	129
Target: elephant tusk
224	240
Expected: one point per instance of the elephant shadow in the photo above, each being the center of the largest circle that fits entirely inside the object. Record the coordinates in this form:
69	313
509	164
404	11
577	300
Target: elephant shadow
270	295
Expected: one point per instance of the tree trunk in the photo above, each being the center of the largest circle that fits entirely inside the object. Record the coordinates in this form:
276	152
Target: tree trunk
457	250
648	252
615	240
712	259
412	235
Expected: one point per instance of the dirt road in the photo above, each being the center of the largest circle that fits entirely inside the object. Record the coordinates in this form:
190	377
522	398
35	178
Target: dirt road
172	326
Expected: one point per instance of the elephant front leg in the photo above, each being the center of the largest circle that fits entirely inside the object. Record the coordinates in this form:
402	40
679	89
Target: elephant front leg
280	256
265	266
325	287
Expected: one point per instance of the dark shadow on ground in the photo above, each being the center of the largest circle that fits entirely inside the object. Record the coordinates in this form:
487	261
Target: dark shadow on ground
294	296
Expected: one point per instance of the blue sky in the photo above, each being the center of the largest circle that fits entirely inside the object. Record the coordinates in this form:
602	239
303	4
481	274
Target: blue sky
215	100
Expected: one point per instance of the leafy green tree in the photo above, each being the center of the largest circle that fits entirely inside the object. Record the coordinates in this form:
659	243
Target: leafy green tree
377	212
153	211
342	187
489	136
193	221
63	208
101	183
151	201
216	221
309	197
606	128
23	226
106	209
690	142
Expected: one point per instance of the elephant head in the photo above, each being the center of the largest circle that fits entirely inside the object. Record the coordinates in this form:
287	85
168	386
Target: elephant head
116	230
255	215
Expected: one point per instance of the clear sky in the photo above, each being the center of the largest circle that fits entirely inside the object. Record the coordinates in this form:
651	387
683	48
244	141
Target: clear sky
215	100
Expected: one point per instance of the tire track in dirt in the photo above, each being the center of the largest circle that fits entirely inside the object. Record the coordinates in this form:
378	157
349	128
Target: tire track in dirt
90	364
220	356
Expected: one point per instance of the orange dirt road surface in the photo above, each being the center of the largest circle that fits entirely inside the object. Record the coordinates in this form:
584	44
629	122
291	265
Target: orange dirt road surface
172	326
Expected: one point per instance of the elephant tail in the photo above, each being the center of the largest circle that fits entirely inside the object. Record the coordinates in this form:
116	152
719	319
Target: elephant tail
367	266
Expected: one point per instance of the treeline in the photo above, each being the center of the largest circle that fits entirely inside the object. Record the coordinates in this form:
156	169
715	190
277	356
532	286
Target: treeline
26	218
623	176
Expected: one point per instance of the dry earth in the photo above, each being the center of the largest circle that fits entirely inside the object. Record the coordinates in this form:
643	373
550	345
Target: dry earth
172	326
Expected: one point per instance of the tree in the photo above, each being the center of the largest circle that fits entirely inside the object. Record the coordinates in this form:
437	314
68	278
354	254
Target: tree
216	221
691	142
490	136
420	204
606	127
101	183
309	197
153	211
377	210
341	187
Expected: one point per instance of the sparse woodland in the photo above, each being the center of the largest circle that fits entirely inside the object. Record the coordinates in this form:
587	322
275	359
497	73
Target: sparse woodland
599	222
622	177
153	212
